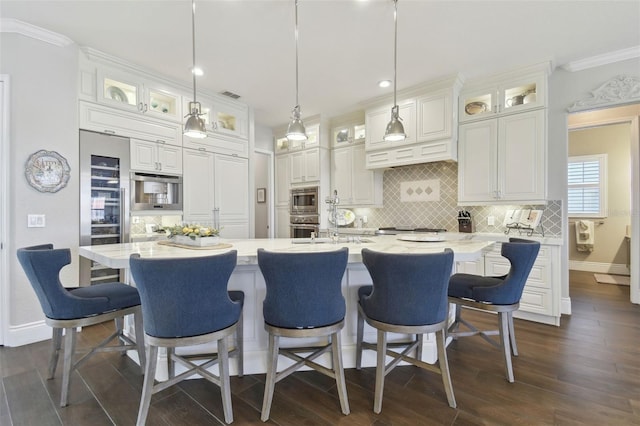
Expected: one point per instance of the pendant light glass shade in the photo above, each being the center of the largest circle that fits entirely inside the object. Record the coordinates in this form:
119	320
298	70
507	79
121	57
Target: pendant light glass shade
395	129
195	126
296	130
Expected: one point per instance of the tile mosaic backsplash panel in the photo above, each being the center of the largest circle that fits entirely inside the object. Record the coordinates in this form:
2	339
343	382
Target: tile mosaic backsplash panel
402	208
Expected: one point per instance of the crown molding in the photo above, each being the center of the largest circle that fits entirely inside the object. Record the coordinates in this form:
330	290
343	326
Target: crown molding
10	25
619	90
604	59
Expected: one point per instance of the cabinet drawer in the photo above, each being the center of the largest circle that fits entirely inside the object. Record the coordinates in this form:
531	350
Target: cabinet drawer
536	301
112	121
236	147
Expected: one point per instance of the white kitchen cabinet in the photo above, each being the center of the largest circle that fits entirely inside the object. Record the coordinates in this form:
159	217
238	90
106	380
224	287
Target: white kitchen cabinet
540	299
505	94
376	121
217	181
198	183
356	185
122	123
349	134
283	179
429	116
305	166
137	94
158	157
434	116
503	160
282	144
213	143
224	118
283	222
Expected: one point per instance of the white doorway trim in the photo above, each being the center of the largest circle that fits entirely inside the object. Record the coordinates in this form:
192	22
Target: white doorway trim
634	121
4	206
270	190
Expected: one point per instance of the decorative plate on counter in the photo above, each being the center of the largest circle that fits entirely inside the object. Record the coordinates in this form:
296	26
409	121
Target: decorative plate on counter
422	238
473	108
345	217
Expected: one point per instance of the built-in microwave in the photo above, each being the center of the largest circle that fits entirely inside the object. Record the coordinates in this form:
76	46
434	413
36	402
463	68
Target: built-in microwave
155	192
304	201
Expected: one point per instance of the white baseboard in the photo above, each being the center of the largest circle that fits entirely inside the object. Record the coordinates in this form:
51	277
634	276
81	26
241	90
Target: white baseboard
602	268
25	334
565	306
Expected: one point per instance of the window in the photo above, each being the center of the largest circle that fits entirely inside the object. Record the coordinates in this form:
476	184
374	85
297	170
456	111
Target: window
587	186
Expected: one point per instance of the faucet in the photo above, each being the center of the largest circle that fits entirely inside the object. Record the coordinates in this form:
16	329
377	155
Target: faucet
333	202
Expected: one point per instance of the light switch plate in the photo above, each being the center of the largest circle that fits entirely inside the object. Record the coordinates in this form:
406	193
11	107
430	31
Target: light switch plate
491	220
35	221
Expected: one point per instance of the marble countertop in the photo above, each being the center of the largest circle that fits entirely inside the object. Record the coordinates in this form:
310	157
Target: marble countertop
117	255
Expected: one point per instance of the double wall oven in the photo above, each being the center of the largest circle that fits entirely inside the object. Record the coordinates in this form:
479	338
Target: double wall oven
304	212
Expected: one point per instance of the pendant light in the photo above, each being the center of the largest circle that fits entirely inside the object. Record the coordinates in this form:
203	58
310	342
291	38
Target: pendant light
395	129
296	130
195	126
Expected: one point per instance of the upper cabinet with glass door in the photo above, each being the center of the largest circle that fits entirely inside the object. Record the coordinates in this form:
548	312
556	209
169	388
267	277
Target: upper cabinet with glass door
514	93
348	134
222	117
230	118
133	93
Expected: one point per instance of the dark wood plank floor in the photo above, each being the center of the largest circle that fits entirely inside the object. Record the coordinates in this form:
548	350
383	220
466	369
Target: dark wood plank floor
586	372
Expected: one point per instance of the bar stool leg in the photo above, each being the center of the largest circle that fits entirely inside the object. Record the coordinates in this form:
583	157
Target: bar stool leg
380	370
443	363
338	369
56	344
225	385
271	377
359	337
147	387
139	330
69	350
504	337
512	335
240	345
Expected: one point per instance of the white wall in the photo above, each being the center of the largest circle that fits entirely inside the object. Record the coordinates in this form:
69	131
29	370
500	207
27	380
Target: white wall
264	137
43	111
564	89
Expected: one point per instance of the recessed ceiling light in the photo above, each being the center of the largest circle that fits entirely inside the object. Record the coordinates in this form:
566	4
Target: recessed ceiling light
198	71
384	83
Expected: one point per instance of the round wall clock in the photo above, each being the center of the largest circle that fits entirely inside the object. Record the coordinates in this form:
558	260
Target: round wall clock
47	171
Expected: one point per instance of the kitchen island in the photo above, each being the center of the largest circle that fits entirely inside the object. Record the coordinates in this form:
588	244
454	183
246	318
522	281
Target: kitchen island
248	278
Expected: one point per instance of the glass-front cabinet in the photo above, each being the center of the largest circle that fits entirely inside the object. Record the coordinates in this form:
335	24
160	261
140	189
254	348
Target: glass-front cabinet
350	134
509	96
222	117
128	92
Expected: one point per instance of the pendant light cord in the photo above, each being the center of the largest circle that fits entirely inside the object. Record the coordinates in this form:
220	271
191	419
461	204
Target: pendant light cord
296	36
193	39
395	50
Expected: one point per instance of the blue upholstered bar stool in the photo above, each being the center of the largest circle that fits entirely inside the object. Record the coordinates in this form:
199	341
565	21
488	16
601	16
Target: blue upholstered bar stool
495	294
185	302
69	308
304	299
408	295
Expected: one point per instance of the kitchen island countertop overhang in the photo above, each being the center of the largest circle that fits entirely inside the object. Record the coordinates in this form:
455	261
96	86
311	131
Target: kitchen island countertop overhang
248	278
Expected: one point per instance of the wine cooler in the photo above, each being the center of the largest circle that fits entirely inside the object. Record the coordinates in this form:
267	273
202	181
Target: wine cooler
104	200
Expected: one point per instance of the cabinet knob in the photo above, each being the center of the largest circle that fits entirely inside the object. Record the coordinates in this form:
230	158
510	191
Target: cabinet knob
111	132
160	141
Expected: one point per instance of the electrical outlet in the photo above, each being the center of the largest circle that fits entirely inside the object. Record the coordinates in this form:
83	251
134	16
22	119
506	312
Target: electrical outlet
491	220
35	221
135	219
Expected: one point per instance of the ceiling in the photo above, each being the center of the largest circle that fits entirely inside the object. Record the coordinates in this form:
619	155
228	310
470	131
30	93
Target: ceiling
345	46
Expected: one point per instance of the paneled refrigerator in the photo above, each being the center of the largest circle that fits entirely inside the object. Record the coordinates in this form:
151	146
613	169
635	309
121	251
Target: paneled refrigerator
104	199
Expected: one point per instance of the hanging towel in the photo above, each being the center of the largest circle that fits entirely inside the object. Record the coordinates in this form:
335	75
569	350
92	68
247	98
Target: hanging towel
585	238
